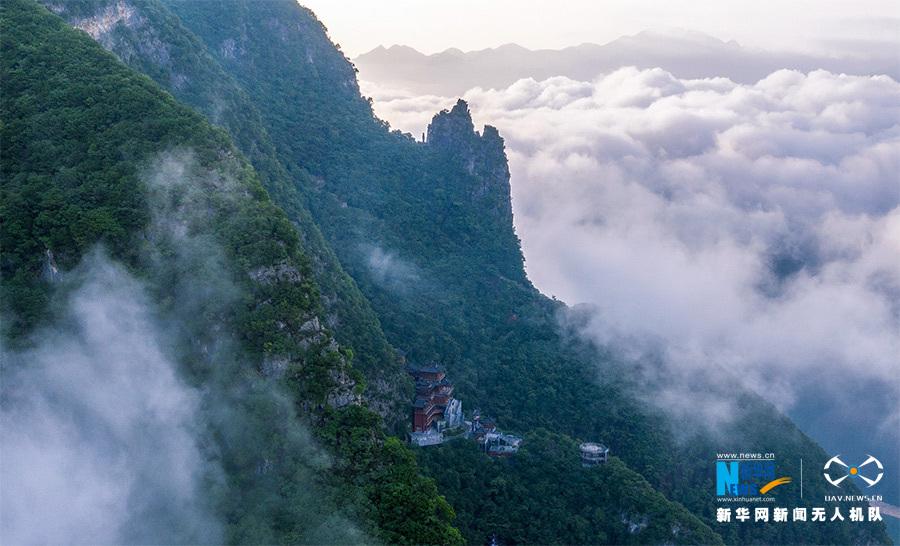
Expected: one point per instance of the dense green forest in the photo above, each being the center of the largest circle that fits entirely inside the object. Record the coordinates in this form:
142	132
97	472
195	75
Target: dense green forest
92	153
543	494
460	295
179	62
388	242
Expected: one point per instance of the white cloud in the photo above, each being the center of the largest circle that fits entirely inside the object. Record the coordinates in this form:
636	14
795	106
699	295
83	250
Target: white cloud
755	227
100	441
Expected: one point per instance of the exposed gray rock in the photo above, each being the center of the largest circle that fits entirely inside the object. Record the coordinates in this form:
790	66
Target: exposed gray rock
276	273
343	394
635	523
311	325
482	156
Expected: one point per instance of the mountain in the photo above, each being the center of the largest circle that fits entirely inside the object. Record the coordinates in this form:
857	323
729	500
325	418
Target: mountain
96	153
413	240
684	54
151	40
420	232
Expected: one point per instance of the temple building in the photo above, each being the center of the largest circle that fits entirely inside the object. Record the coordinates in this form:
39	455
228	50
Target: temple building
434	408
495	443
500	444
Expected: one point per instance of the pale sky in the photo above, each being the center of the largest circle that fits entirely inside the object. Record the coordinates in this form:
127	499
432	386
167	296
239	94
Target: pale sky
434	25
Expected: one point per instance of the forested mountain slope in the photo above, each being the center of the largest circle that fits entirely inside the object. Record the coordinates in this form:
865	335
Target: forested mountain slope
95	155
150	39
424	230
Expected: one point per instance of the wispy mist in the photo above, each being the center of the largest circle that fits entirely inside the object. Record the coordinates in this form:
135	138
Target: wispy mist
277	472
388	269
140	418
100	436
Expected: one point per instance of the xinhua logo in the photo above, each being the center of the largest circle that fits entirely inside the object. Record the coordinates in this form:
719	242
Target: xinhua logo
855	471
746	478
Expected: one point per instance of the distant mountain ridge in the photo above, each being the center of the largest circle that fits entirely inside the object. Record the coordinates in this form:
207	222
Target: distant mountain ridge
684	54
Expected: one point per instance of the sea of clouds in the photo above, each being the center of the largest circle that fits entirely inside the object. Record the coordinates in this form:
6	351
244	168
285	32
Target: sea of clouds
751	227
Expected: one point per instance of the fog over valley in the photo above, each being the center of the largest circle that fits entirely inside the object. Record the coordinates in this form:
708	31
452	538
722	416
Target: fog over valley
753	227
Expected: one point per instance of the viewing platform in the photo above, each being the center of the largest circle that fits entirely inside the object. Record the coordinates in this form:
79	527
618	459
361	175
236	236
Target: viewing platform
593	454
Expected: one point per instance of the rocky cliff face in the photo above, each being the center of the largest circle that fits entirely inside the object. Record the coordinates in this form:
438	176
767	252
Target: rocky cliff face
285	25
453	130
121	27
482	156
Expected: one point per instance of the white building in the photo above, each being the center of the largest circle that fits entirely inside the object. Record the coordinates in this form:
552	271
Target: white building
453	415
593	454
